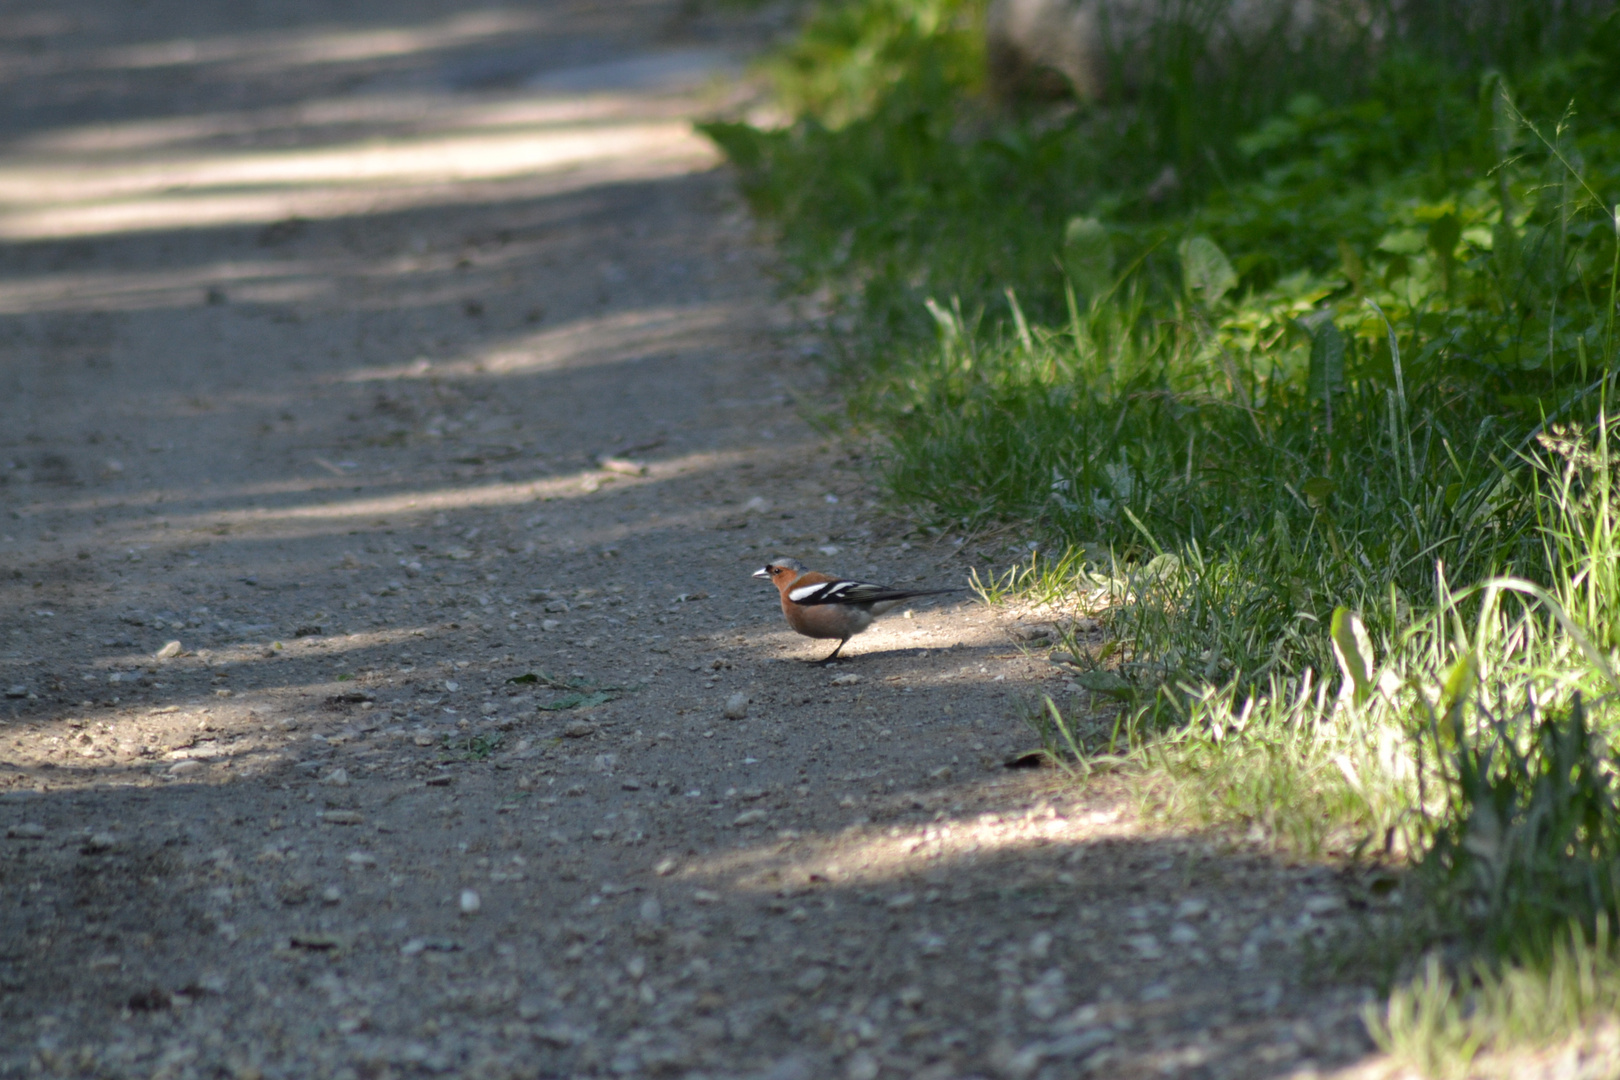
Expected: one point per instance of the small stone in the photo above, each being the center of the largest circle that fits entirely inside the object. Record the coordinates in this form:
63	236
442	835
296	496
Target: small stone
360	859
1324	903
810	980
1016	1064
1192	908
706	896
98	843
748	817
18	691
470	902
861	1066
185	768
1183	934
849	679
630	784
624	466
451	685
423	740
28	830
344	817
652	911
579	729
1146	945
1058	656
440	780
331	895
169	651
665	867
901	902
336	778
549	624
736	706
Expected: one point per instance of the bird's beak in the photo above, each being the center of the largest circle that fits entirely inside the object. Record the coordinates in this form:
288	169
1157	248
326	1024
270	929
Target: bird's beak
764	572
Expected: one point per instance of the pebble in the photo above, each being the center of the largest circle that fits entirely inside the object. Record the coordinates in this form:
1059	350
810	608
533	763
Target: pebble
18	691
470	902
336	778
1183	934
736	706
1324	903
665	867
172	649
185	768
1146	945
343	817
28	830
360	859
846	680
861	1066
748	817
1192	908
811	979
549	624
99	842
332	895
579	729
624	466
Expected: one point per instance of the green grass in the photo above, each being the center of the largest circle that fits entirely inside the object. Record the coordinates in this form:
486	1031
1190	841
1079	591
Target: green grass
1298	373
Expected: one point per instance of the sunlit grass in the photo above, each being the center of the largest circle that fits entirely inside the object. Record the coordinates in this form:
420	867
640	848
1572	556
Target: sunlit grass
1316	429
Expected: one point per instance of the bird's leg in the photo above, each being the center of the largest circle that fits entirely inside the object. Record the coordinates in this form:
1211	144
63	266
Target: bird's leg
834	655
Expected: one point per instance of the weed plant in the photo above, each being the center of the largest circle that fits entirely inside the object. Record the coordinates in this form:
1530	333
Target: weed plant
1270	355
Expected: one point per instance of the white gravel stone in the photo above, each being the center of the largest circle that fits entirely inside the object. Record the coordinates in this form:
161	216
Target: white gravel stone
185	768
861	1066
471	902
810	980
336	778
1183	934
170	650
736	706
1192	908
1146	945
28	830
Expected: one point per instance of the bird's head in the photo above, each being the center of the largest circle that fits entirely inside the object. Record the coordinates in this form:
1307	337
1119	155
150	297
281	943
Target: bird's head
780	570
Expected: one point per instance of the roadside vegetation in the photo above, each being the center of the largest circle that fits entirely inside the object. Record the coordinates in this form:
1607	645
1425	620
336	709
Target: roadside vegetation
1303	377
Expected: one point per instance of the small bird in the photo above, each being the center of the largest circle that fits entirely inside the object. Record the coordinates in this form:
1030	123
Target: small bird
819	605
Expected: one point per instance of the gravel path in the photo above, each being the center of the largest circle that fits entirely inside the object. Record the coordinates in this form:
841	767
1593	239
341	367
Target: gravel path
393	405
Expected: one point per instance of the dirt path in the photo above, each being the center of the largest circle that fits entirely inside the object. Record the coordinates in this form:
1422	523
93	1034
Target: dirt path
317	322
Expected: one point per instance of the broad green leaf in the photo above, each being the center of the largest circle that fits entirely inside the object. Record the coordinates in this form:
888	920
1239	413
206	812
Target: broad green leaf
1327	360
1317	489
1352	648
1206	270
